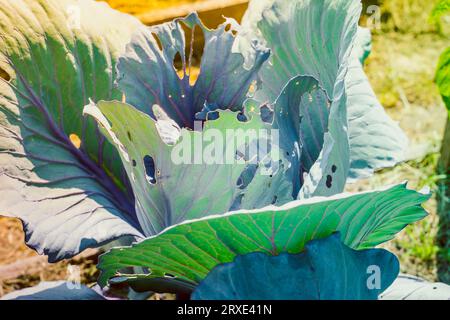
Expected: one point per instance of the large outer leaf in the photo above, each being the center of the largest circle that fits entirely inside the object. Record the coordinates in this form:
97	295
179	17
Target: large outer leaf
376	141
67	198
189	251
316	49
149	76
326	270
408	287
173	192
58	290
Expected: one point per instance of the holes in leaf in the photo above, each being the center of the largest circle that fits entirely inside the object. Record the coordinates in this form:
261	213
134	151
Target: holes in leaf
247	176
150	169
129	136
4	75
195	45
275	198
253	87
242	117
134	163
213	115
158	41
266	114
178	65
329	182
229	28
75	139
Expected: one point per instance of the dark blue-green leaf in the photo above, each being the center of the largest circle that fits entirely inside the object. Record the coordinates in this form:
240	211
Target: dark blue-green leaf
326	270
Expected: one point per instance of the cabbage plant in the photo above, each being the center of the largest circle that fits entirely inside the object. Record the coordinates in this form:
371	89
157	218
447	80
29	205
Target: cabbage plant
93	109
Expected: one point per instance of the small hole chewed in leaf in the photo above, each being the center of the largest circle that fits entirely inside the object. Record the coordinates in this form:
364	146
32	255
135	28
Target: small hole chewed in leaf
229	28
158	41
195	45
275	199
334	169
193	75
214	115
266	114
75	139
150	169
4	75
178	65
329	182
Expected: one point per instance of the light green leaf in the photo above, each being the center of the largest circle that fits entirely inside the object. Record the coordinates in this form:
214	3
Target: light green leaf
175	178
189	251
443	77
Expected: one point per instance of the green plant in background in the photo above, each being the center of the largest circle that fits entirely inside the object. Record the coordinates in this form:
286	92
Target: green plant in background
82	169
442	8
420	242
410	15
443	82
442	76
443	70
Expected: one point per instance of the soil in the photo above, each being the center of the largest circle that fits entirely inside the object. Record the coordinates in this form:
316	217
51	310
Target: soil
136	7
